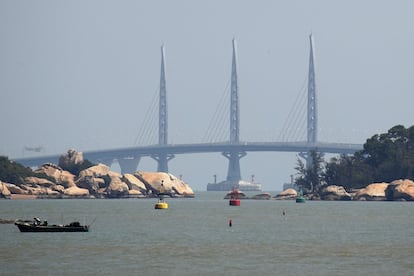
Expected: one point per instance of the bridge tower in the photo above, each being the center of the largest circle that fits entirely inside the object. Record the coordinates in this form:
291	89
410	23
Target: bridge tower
233	173
312	128
162	158
312	115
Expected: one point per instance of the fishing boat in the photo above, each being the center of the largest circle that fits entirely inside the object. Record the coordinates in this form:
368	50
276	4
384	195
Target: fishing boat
36	225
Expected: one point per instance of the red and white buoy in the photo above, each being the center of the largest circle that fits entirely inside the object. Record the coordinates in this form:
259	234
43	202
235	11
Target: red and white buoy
234	197
234	202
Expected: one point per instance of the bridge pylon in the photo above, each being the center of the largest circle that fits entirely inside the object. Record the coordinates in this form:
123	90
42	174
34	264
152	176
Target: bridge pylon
312	114
162	158
233	173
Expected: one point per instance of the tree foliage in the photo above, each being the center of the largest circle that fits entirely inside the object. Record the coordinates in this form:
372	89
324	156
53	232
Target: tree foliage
384	158
15	173
310	177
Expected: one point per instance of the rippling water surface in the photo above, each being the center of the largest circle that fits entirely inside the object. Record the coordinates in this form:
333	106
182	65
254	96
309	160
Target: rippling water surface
192	237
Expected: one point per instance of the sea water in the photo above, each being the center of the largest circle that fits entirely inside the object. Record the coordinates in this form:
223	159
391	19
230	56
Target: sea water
193	237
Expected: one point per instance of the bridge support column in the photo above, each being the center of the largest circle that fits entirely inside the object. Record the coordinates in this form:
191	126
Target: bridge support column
308	158
129	165
162	160
233	173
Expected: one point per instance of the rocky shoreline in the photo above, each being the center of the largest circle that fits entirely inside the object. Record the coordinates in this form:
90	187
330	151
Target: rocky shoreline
94	182
397	190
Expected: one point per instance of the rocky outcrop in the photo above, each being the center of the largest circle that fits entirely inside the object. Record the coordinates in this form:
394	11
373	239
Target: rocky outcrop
38	182
94	182
99	170
172	186
14	189
287	194
76	192
60	176
71	157
334	192
134	184
116	187
372	192
95	179
400	190
4	191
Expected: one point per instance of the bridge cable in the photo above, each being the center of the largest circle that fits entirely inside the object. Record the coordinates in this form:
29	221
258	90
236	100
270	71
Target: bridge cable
216	128
291	125
147	131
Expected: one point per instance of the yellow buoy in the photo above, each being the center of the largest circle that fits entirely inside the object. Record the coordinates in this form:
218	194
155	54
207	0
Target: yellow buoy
161	205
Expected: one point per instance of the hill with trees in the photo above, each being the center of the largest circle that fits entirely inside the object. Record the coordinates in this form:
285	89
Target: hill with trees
384	158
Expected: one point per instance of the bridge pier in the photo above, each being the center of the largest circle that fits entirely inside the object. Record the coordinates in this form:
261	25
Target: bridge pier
233	172
162	160
129	165
308	158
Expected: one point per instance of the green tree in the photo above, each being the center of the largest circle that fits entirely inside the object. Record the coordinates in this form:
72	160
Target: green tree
384	158
15	173
310	177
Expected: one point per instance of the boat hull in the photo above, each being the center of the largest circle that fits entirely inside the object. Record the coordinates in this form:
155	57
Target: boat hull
25	227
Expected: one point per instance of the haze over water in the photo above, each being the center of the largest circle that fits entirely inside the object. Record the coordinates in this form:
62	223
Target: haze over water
192	237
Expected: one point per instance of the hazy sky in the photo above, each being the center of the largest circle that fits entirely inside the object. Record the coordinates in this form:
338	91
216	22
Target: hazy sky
81	74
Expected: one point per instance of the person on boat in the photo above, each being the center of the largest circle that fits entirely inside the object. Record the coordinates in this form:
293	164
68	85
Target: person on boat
36	221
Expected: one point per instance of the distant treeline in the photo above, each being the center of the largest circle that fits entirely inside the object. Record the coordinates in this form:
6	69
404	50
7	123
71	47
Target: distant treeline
384	158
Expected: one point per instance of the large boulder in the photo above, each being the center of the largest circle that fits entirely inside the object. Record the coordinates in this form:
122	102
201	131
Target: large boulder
99	170
116	187
14	189
400	190
134	183
93	184
333	192
72	157
76	192
372	192
172	185
38	182
61	177
4	191
287	194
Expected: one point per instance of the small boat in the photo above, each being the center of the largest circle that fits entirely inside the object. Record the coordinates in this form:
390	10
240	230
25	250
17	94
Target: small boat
37	225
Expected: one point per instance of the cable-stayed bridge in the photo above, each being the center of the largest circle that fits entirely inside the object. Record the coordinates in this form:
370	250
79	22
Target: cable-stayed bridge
233	148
